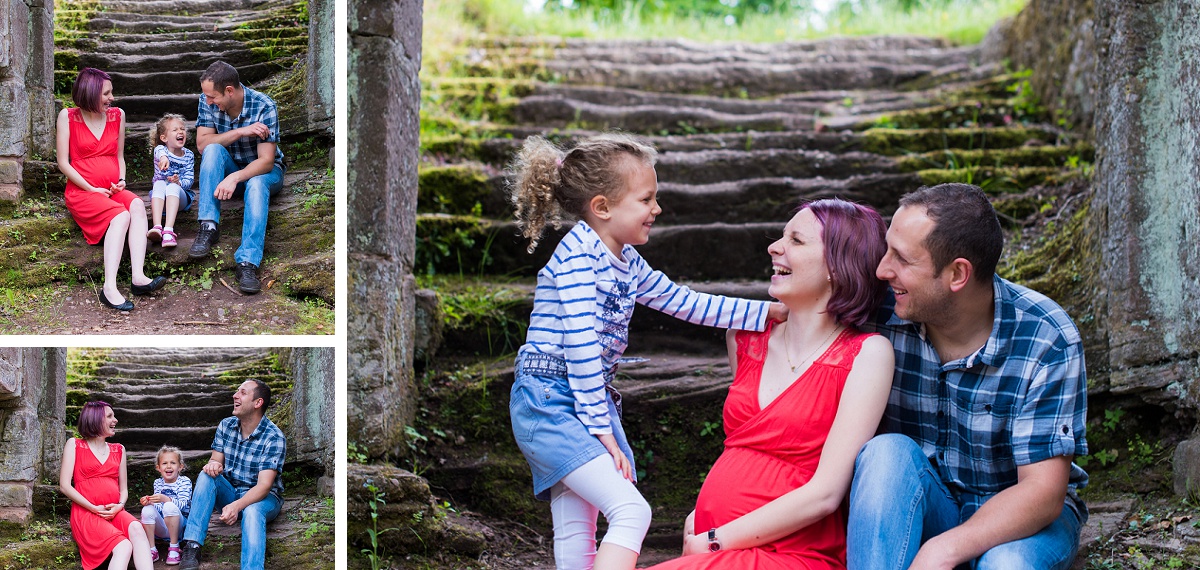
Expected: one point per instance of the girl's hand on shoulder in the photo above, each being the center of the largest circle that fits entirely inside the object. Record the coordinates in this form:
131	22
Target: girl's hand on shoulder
777	312
622	462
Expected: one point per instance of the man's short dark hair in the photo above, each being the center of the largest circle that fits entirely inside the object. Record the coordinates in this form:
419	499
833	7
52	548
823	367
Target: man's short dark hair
965	225
262	390
221	75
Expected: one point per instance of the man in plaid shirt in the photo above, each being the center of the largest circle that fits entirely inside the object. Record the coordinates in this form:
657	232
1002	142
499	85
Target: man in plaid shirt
241	479
237	134
988	405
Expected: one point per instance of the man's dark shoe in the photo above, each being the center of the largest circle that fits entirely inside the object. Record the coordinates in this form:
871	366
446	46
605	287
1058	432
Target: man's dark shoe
189	555
246	274
205	238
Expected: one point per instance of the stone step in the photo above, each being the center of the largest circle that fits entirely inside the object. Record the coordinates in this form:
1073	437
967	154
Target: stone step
183	6
138	44
151	438
182	355
135	62
712	166
617	97
130	371
148	108
751	53
160	388
554	112
740	79
828	45
168	418
126	84
131	24
160	401
193	459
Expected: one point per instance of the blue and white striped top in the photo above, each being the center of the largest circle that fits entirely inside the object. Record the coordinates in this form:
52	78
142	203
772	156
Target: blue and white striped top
584	301
180	492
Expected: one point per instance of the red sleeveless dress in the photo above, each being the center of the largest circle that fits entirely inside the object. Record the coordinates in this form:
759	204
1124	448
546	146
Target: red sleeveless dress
771	451
100	484
96	161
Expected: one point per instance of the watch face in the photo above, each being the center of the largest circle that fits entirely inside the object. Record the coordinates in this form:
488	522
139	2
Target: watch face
714	546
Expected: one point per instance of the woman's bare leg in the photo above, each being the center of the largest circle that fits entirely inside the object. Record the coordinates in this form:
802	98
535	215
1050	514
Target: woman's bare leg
114	248
120	555
613	557
137	241
141	548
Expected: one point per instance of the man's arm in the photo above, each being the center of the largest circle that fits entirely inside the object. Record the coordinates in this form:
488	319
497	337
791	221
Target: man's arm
209	135
1016	512
261	165
258	492
216	464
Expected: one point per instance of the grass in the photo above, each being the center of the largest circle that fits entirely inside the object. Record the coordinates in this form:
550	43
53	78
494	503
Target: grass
450	22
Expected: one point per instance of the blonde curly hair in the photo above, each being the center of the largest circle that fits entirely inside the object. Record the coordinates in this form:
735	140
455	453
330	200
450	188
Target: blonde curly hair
552	186
160	128
170	449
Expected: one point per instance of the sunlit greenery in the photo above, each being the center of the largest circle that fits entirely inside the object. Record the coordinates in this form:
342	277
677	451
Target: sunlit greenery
448	22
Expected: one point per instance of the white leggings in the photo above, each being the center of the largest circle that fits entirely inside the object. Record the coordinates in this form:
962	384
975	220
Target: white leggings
152	515
162	189
597	486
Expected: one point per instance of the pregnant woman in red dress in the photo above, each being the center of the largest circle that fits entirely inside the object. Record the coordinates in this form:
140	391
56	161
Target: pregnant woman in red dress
90	144
94	477
806	395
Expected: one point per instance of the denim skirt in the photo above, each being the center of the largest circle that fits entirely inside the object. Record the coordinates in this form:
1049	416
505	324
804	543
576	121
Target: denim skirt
551	437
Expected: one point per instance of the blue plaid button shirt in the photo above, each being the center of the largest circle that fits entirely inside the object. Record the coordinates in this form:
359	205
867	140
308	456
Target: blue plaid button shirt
1020	399
257	108
264	449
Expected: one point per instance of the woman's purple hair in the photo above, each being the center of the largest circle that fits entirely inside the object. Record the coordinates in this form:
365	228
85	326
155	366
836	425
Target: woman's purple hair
88	87
91	419
854	238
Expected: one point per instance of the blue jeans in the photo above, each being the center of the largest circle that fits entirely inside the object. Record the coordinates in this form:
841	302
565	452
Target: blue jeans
897	502
215	165
214	493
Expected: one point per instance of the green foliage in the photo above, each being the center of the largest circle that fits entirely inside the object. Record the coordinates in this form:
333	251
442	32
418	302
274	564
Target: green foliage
376	499
447	244
356	454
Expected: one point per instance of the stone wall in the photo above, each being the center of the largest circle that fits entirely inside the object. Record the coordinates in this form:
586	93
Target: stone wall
320	63
32	407
26	88
313	411
1147	200
383	129
1056	39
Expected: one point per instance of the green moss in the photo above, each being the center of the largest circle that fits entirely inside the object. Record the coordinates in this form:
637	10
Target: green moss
969	113
906	141
269	29
1063	267
996	181
455	245
1024	156
451	189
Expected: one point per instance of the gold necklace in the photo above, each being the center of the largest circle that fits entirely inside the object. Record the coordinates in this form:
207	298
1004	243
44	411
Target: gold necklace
788	352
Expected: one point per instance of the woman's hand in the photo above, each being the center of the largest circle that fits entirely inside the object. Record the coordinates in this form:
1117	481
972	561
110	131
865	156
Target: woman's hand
622	462
117	187
689	530
105	191
695	544
107	512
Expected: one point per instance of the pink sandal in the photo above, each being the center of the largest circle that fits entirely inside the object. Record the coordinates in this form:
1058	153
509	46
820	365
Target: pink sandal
168	239
155	233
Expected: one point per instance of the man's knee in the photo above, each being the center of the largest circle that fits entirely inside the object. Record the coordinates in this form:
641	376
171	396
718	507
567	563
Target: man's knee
213	152
887	451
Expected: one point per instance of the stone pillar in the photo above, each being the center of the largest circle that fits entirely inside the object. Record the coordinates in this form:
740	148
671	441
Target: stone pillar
320	65
313	411
383	127
26	88
1147	199
32	408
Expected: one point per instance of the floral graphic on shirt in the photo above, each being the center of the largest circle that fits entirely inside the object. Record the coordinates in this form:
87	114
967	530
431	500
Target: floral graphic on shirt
615	313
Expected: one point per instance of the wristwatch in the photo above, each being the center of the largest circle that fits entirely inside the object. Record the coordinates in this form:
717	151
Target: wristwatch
713	544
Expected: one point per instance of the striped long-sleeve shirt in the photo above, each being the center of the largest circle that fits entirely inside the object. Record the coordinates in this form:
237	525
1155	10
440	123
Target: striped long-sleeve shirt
179	490
584	301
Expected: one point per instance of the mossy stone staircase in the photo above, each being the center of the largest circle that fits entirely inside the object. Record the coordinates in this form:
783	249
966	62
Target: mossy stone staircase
155	51
745	132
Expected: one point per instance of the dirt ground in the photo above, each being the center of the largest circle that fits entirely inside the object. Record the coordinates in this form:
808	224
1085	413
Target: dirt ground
173	310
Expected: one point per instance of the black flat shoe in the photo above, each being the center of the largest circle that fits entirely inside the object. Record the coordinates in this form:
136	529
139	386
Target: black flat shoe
154	285
126	306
